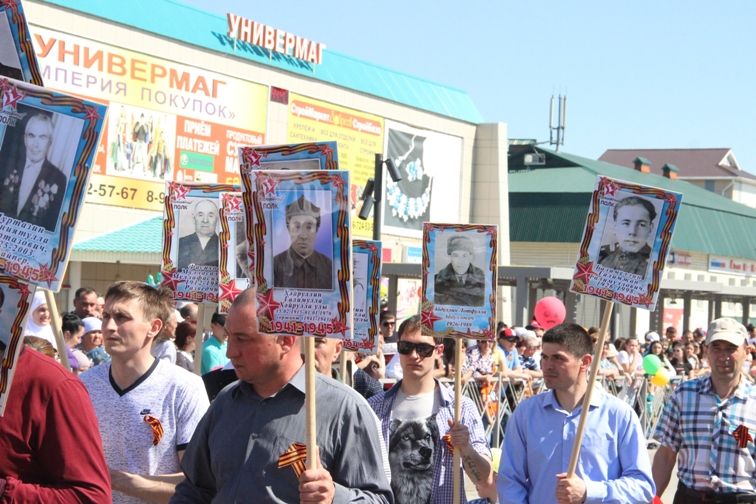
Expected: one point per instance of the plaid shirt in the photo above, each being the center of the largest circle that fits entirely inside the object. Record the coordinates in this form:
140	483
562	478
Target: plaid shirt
442	491
701	427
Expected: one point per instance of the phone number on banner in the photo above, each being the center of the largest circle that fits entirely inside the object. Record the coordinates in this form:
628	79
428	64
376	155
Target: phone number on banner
125	192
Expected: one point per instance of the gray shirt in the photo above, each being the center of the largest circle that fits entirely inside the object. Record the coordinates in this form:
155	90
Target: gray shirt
234	454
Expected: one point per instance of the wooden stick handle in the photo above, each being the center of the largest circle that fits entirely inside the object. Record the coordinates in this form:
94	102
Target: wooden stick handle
57	328
198	339
343	358
312	440
589	390
456	458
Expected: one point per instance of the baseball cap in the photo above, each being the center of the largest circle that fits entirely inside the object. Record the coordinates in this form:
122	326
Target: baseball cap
506	333
652	336
726	329
92	324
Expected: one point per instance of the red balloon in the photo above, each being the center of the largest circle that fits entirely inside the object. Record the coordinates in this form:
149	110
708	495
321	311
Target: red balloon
549	312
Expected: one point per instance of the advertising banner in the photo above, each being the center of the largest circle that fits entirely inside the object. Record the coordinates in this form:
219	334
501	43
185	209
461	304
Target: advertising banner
359	137
167	121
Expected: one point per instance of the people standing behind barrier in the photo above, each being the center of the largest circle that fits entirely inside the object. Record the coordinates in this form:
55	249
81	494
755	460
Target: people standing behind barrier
613	465
91	341
417	423
608	368
708	427
38	321
185	345
680	364
630	358
527	347
655	348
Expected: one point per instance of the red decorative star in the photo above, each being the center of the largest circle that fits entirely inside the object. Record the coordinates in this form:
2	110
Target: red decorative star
11	4
179	191
229	290
23	289
169	280
251	156
339	327
645	300
233	201
429	318
326	149
610	188
91	113
372	247
337	182
47	275
11	96
266	305
268	184
585	272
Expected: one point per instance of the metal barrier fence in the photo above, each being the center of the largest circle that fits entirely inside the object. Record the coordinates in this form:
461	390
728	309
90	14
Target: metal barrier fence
646	399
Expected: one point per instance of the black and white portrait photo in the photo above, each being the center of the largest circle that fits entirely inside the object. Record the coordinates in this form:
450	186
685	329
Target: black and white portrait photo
36	158
10	64
458	280
198	234
240	250
627	240
305	262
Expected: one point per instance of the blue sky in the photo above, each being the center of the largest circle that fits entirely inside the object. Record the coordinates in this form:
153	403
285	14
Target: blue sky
646	73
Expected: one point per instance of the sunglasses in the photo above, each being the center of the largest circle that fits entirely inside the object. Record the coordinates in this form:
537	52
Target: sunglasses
387	323
423	349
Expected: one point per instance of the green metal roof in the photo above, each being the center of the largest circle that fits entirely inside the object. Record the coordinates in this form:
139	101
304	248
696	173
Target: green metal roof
175	20
551	204
143	238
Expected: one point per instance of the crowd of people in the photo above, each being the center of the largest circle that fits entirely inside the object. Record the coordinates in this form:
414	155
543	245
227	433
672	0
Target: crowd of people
133	422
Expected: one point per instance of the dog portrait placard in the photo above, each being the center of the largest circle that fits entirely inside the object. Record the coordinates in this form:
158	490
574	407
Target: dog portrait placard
15	299
190	240
625	242
233	268
459	280
47	145
302	251
17	58
366	285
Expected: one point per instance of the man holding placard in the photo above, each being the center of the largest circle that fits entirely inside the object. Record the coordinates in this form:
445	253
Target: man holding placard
249	447
711	423
613	466
417	421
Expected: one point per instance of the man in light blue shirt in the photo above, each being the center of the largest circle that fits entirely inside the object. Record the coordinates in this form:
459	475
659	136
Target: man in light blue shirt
613	466
214	349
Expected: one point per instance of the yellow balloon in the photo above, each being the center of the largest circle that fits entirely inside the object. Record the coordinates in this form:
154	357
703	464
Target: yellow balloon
660	379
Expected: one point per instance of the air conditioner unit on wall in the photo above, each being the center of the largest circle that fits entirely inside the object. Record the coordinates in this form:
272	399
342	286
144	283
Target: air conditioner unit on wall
534	159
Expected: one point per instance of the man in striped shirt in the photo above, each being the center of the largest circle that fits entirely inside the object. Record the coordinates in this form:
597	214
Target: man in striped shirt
710	422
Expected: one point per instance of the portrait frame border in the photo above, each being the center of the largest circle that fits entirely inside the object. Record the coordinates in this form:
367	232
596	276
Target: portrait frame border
428	316
373	249
14	12
584	266
93	115
15	343
338	181
227	289
177	191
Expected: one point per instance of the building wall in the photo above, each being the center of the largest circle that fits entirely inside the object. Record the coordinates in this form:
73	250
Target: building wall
744	193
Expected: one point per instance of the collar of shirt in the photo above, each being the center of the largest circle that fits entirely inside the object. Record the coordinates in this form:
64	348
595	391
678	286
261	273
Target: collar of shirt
741	392
447	394
299	261
297	382
550	401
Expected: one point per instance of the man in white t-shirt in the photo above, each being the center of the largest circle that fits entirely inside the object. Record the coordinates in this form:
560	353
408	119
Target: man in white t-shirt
147	408
417	423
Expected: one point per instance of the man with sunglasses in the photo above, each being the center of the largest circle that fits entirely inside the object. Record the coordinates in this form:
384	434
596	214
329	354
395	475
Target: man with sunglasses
417	423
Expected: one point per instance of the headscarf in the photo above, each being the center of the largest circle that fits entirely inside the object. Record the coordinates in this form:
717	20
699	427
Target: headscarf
34	329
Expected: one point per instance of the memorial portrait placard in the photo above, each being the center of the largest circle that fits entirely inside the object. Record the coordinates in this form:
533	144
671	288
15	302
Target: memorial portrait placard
302	251
15	300
366	285
625	242
190	240
48	141
233	268
17	58
459	280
